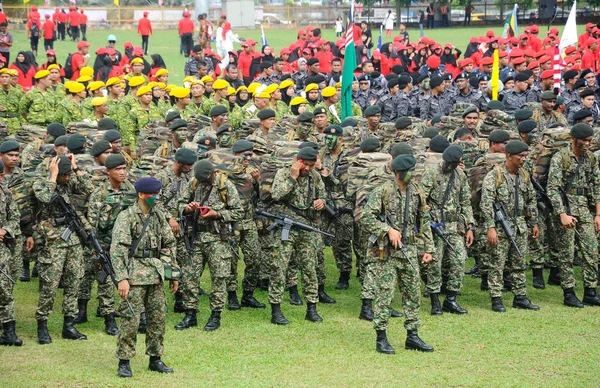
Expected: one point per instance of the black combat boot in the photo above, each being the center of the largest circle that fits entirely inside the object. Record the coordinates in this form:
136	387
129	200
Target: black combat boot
497	305
70	332
156	365
523	302
323	297
232	301
507	281
43	335
443	287
344	282
110	325
25	274
124	369
382	345
450	305
277	317
395	314
190	320
473	269
9	336
311	313
570	299
214	321
538	278
436	307
413	342
178	305
590	297
98	313
485	286
143	327
248	300
34	271
294	296
82	313
554	276
201	292
366	310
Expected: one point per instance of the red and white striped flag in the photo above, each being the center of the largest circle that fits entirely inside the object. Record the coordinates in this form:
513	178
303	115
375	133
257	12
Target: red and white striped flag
557	65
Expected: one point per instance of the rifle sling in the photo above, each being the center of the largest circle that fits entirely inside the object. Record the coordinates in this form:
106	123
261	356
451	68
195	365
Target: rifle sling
137	241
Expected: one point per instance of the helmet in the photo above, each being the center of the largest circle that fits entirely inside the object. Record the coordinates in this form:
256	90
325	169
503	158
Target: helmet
112	38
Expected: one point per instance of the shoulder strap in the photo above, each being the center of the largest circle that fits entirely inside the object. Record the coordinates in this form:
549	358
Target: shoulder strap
499	176
223	188
137	241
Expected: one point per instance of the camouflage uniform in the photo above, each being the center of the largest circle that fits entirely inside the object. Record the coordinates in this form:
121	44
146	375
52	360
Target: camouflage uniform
209	103
138	119
9	99
68	111
38	108
144	270
9	221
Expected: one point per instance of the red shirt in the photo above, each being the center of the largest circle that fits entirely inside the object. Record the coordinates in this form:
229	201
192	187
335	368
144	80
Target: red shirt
186	26
83	18
588	60
39	25
63	17
33	15
356	34
48	28
288	68
244	63
76	61
582	38
325	59
535	43
56	17
44	66
298	44
73	18
144	27
25	80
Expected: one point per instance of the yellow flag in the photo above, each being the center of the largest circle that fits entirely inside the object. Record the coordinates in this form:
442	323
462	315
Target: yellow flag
495	84
25	1
116	2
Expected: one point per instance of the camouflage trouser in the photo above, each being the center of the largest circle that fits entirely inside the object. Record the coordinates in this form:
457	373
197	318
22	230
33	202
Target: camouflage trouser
218	256
301	245
249	243
153	300
455	267
7	300
68	263
367	271
106	290
589	252
268	244
291	276
388	273
15	262
480	248
361	245
342	242
503	256
548	236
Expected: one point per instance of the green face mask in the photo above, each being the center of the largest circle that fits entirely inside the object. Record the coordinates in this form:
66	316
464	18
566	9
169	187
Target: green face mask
225	141
331	141
406	176
304	130
151	200
181	136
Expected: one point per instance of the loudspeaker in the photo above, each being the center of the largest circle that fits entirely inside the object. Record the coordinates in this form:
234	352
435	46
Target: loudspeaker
547	9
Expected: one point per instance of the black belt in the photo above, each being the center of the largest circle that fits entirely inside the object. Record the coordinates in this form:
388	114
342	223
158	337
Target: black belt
146	253
582	191
204	229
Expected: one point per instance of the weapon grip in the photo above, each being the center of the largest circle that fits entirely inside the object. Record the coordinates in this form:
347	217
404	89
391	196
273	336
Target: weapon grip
285	232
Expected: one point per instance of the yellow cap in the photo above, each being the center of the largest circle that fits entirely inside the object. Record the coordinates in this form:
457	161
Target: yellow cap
68	84
93	86
13	72
338	85
161	72
196	82
230	91
298	101
170	87
143	90
161	85
286	84
136	81
86	71
328	91
136	61
206	79
113	81
241	88
271	88
220	84
84	78
252	87
99	101
152	85
41	74
310	87
189	78
181	92
76	87
53	66
4	71
262	94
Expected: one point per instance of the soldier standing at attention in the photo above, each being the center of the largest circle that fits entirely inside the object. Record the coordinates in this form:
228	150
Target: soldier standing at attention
38	106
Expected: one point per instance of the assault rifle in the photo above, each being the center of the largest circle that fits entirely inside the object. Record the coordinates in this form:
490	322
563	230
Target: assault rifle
500	216
385	217
438	228
287	224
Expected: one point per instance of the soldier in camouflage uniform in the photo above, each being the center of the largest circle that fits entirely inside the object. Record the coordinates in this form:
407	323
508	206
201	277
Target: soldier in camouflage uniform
30	153
219	97
448	195
142	250
213	203
547	116
69	109
509	185
140	116
406	221
167	150
219	116
64	256
9	103
38	106
573	189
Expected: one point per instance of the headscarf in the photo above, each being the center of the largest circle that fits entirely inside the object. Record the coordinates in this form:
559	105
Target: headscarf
25	65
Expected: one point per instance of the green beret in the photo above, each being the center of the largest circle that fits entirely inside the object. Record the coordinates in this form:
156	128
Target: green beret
349	122
106	124
112	135
308	153
430	132
548	95
310	144
9	146
436	119
242	146
224	128
453	154
333	130
64	165
526	126
439	144
370	144
114	160
306	117
320	110
559	101
207	141
523	114
469	110
581	130
498	136
186	156
147	185
203	169
1	166
403	162
75	142
61	140
496	105
401	149
56	129
266	114
556	125
372	110
218	110
403	122
178	123
515	147
172	115
99	147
